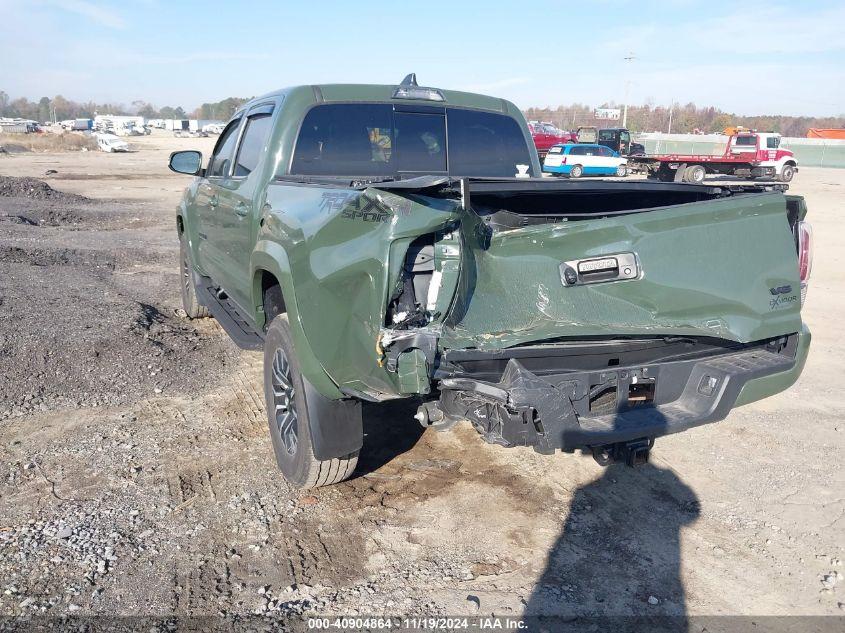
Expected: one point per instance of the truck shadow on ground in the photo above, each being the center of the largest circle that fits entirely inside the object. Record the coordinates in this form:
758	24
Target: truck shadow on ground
619	554
389	431
616	564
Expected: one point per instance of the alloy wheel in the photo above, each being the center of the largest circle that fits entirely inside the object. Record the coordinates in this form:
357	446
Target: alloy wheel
284	407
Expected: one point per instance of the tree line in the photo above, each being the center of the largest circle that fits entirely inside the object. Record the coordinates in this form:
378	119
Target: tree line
59	108
685	119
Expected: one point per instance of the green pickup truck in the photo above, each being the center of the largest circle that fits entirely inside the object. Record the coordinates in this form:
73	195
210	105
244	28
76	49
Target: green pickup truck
381	242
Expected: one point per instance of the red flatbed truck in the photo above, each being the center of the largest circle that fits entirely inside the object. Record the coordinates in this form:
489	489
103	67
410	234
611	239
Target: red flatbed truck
748	154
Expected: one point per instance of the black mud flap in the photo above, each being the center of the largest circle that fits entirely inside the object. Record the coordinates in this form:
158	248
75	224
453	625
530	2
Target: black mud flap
336	425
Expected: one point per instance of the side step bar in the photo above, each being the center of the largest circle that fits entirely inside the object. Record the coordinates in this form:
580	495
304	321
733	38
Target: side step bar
240	328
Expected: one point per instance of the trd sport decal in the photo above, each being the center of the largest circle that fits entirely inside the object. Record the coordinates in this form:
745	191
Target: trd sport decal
358	206
366	209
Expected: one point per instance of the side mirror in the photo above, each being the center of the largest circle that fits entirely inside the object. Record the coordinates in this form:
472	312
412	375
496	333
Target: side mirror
187	162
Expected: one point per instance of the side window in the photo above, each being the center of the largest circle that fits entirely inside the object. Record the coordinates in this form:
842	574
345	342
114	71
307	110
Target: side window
252	144
221	158
576	151
604	151
773	142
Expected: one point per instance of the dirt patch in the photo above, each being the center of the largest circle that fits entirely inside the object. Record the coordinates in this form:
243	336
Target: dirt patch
91	343
129	176
50	216
55	256
15	187
12	148
49	142
88	318
75	214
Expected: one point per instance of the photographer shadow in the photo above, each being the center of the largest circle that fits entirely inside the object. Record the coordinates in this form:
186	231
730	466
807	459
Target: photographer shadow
617	562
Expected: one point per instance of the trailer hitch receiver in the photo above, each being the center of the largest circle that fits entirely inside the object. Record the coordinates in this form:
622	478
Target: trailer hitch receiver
633	453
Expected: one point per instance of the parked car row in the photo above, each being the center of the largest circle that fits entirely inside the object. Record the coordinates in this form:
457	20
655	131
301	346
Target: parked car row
586	151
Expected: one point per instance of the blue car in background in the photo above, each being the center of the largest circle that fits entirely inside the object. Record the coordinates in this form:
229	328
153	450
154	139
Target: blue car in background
584	159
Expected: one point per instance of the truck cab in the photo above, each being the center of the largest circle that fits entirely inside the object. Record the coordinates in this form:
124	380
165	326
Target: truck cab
619	140
764	150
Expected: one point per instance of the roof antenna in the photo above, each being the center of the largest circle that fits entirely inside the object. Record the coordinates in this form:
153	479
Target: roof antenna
410	80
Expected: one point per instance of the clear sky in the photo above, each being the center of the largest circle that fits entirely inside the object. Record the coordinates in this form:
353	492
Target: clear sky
749	57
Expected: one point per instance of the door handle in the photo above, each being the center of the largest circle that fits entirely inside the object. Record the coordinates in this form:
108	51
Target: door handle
241	209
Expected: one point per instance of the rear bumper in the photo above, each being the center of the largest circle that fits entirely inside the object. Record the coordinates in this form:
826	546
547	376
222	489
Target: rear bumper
765	386
564	411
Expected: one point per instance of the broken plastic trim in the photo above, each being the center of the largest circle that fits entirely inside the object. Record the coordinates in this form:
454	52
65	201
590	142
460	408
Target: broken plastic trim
553	411
391	343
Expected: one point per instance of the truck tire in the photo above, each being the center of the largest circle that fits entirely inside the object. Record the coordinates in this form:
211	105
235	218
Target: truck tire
621	171
695	174
576	172
193	308
786	173
288	417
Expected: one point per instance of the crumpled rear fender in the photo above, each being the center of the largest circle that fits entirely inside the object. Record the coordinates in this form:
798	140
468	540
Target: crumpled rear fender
343	254
271	257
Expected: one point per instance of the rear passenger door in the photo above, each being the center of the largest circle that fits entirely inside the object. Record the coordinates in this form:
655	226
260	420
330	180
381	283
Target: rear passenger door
208	202
241	198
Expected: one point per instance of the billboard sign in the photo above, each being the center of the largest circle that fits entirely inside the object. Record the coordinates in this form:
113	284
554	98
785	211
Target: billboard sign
608	114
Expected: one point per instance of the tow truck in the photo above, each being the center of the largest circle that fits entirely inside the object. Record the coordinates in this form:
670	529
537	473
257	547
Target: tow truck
748	154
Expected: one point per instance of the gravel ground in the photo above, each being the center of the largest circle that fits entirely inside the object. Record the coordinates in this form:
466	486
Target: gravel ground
136	475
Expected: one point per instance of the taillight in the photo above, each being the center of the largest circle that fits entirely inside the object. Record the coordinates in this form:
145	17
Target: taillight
805	256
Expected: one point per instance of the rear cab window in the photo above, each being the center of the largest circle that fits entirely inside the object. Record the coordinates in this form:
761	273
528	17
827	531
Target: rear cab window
371	140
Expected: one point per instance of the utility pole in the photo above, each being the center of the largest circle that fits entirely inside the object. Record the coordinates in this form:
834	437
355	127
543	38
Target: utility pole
631	57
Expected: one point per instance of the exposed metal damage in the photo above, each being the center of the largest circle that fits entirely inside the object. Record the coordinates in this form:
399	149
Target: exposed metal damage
481	285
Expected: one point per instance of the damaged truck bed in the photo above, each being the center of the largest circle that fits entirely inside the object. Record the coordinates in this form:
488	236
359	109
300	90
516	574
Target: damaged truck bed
565	315
593	315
